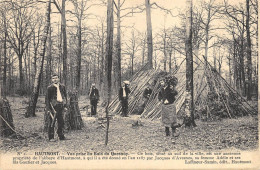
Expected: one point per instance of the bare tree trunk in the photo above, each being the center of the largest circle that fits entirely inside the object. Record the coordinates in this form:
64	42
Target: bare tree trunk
189	66
79	55
215	58
35	55
149	33
49	61
20	58
164	51
229	69
5	60
207	36
248	52
143	52
235	66
63	30
132	64
101	81
170	61
109	52
118	45
29	67
34	96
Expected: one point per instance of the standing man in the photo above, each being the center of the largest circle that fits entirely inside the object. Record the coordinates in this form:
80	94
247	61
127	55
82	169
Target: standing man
123	97
56	102
94	98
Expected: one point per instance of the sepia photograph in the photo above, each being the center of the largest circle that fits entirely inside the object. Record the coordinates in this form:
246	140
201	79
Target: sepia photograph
129	84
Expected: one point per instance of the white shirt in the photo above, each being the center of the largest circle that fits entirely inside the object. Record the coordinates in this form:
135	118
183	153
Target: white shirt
59	97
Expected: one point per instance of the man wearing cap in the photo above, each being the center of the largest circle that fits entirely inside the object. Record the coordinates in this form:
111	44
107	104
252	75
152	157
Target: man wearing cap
94	98
123	97
56	102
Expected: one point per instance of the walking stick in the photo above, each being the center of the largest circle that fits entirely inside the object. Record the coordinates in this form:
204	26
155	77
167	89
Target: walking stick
54	117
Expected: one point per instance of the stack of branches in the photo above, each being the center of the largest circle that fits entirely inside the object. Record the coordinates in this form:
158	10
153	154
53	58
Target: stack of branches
214	98
218	99
6	120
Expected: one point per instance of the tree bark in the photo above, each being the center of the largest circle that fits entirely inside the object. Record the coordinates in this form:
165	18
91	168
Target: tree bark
164	51
79	55
34	96
64	36
248	52
189	66
118	45
20	58
49	61
149	33
170	61
207	37
5	60
109	52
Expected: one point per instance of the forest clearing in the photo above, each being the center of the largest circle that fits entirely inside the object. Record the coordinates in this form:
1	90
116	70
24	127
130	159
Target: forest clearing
227	134
129	76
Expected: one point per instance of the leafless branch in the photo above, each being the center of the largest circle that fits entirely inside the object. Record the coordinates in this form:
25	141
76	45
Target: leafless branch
57	6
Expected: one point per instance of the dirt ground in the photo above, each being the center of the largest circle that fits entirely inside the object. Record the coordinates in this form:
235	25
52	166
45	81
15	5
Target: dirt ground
238	133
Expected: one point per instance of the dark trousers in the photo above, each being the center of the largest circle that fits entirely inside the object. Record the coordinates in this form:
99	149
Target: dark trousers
93	107
124	103
59	109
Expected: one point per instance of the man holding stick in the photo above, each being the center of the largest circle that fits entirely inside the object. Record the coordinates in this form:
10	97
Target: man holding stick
56	102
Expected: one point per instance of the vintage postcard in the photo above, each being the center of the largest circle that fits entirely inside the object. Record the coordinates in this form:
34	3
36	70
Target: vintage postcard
129	84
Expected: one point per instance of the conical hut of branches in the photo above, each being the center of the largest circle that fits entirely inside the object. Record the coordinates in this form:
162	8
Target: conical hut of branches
214	98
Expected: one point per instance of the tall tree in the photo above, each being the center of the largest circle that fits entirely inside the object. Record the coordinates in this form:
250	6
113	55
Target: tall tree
109	53
34	96
20	31
248	52
79	8
212	11
149	33
118	44
132	48
64	38
189	66
3	13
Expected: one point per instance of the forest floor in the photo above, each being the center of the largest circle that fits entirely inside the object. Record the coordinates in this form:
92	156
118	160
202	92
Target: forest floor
227	134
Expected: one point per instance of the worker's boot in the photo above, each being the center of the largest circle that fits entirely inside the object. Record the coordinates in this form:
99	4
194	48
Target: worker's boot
167	131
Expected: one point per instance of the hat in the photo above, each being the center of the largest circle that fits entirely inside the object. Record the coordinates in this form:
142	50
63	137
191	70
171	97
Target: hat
93	84
126	82
54	74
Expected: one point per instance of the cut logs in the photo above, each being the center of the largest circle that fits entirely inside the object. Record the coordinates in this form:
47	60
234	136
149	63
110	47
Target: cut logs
73	119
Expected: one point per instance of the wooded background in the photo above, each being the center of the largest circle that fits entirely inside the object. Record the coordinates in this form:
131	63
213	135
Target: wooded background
153	32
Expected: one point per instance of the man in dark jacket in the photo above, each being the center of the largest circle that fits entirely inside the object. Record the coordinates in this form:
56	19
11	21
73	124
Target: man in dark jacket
147	92
123	97
94	98
56	102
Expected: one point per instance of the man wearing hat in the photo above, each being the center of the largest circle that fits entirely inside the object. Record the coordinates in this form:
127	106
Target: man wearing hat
56	102
123	97
94	98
